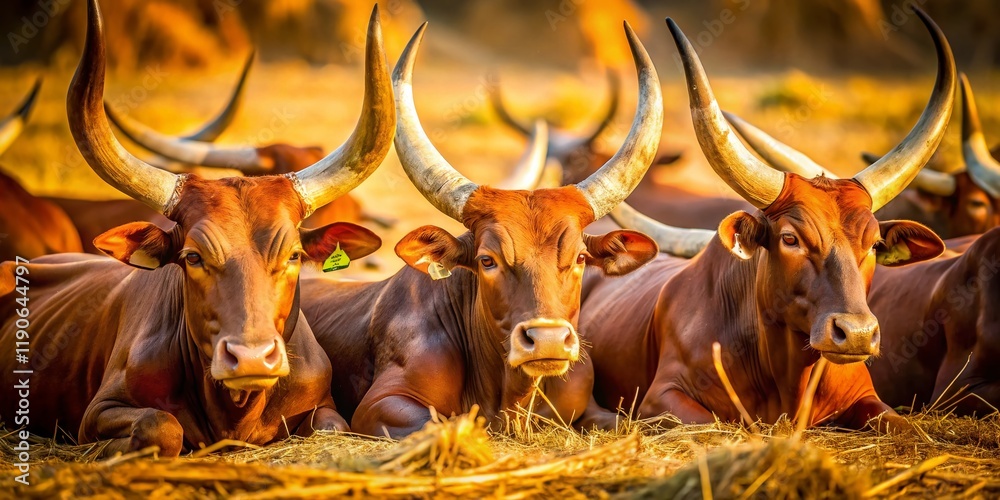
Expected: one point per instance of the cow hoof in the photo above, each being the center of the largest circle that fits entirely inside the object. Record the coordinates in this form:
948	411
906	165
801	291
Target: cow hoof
327	419
158	428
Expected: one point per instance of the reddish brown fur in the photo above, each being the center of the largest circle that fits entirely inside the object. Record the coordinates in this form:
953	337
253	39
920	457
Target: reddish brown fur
408	343
969	210
937	316
166	335
31	227
773	313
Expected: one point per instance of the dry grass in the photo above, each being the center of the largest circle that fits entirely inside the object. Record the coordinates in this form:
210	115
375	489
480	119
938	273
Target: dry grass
458	457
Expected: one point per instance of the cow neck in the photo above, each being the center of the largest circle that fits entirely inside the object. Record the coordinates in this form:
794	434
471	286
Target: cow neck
489	381
220	417
766	353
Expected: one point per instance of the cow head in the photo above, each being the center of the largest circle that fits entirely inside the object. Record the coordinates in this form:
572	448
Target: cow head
527	248
237	240
816	241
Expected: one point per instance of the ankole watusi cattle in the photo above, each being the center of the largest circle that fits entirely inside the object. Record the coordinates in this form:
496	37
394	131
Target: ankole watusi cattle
574	157
940	319
202	338
778	289
29	226
505	318
953	205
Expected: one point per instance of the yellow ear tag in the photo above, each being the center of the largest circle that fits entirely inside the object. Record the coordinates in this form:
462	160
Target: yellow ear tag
336	261
437	271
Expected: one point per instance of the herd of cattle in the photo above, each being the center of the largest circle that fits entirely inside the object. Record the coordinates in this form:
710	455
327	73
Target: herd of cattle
199	326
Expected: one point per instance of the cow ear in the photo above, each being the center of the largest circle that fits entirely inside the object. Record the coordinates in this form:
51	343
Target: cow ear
354	240
138	244
742	234
434	251
620	252
906	242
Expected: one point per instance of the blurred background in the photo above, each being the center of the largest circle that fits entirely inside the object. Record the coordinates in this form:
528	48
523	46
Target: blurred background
830	77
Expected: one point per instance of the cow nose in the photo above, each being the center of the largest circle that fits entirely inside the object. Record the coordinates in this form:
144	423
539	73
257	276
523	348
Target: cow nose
544	348
847	338
251	367
261	359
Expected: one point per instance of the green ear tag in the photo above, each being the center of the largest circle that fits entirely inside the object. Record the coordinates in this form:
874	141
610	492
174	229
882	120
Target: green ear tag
437	271
336	261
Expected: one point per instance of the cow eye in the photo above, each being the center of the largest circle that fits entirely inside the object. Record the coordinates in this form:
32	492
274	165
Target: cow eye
789	240
487	262
977	204
295	257
193	259
581	259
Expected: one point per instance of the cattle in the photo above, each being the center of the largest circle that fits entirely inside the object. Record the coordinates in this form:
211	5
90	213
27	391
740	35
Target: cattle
200	337
29	226
577	156
940	322
778	289
953	205
483	317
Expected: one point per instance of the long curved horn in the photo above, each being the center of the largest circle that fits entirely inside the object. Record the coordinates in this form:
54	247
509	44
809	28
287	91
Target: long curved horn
751	178
214	128
195	149
154	187
614	100
674	241
350	164
187	151
927	180
887	177
982	167
12	126
529	169
615	180
429	172
777	154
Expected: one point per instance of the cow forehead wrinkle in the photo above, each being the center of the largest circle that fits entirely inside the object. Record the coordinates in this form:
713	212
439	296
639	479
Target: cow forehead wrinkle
211	240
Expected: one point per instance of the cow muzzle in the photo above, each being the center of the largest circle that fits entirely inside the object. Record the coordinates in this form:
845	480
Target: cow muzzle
846	338
543	347
249	367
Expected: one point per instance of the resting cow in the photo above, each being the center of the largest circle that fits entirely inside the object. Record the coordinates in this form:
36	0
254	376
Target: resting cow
506	317
778	289
939	315
206	340
29	226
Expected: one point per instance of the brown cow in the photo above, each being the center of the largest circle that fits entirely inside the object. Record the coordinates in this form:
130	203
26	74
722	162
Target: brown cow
939	315
29	226
506	317
778	289
578	156
953	205
209	344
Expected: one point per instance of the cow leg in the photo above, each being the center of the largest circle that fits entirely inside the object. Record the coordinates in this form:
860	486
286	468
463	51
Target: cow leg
869	411
322	419
596	417
132	429
674	402
395	416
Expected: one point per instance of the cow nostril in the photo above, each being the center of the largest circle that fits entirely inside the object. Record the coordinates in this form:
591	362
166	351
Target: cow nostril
838	334
273	355
529	336
876	338
569	340
229	357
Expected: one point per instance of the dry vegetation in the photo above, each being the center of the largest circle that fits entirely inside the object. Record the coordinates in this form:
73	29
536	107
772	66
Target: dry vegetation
458	457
